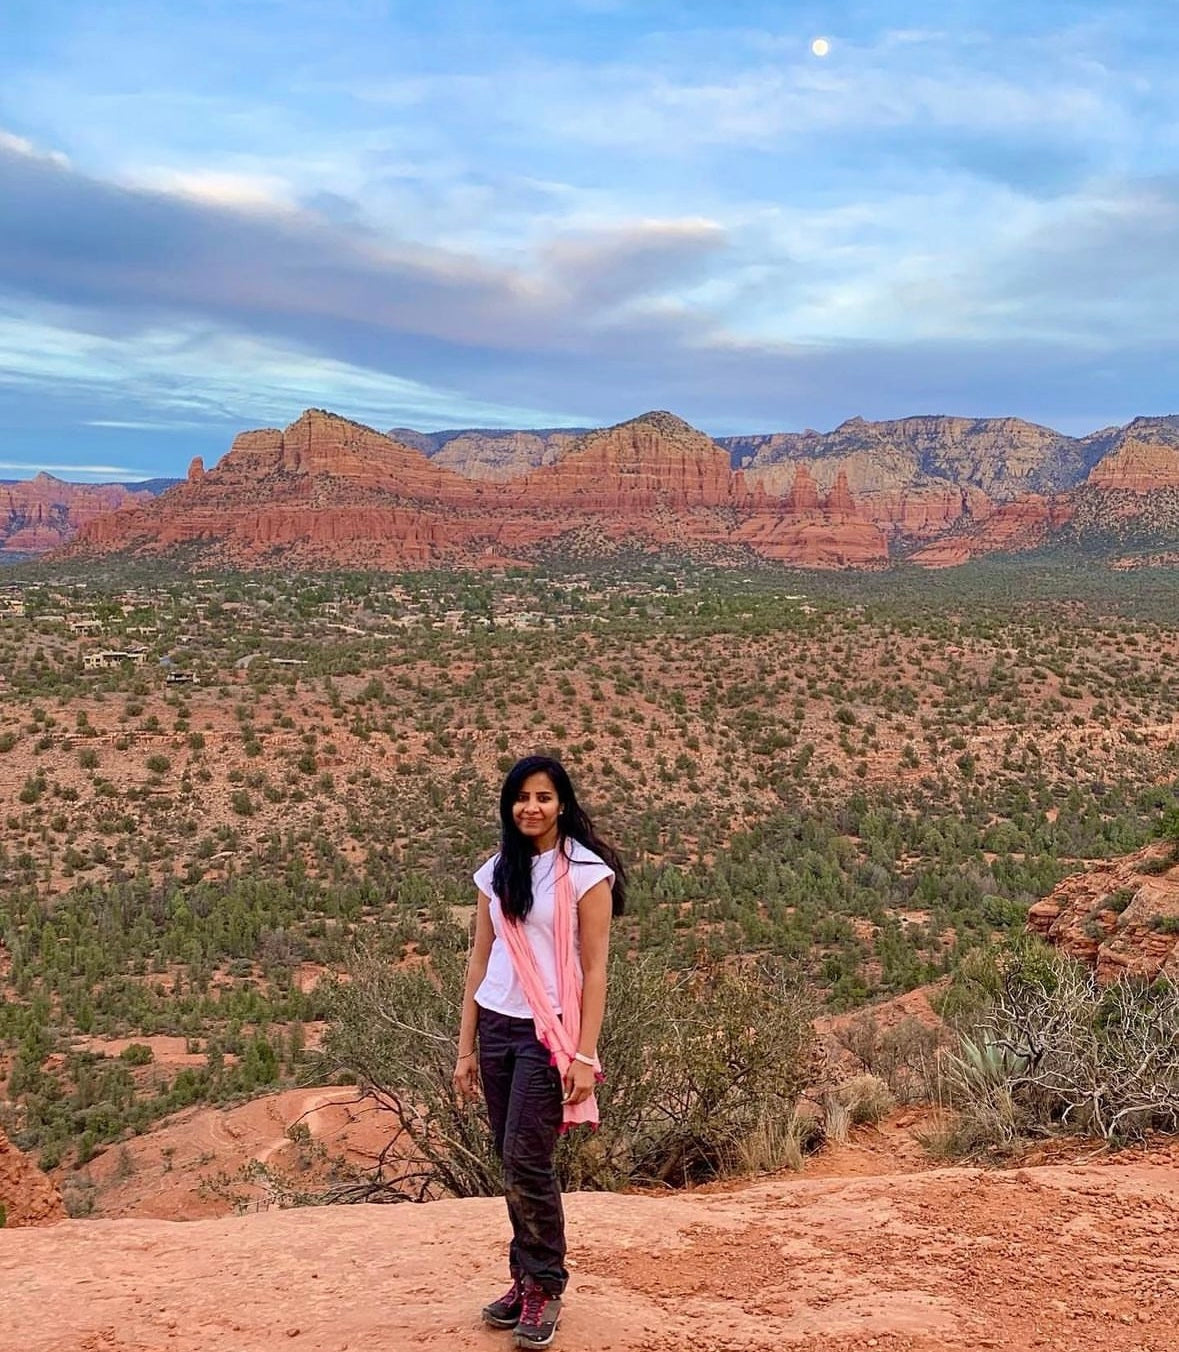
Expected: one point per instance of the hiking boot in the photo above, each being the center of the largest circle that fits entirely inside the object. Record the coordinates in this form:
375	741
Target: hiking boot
504	1313
539	1313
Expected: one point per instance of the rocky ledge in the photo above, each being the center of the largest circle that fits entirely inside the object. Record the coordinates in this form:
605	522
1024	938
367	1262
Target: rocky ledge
1121	917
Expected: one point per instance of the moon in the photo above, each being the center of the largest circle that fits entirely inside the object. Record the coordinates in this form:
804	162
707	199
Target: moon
820	47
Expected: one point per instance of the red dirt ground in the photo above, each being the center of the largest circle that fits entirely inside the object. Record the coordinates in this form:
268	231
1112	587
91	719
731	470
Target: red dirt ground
1073	1257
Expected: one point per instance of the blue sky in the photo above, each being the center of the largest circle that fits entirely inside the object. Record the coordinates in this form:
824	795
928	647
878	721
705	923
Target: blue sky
531	214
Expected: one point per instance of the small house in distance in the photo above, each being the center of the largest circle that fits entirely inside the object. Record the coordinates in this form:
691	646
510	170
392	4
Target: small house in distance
113	657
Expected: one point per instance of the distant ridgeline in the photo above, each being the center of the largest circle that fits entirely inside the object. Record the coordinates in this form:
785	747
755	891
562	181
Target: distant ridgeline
935	491
42	514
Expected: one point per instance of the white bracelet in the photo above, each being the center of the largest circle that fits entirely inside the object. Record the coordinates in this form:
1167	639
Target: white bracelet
585	1060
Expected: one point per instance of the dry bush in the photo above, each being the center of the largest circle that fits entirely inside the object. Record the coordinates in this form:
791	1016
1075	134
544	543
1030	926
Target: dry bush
903	1056
393	1028
778	1142
1054	1050
866	1097
697	1064
836	1119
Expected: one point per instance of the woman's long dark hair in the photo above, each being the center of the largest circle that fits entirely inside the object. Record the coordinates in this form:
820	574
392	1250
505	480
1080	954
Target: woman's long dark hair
512	875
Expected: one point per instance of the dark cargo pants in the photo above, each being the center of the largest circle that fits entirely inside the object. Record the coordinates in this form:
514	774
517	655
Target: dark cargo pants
523	1093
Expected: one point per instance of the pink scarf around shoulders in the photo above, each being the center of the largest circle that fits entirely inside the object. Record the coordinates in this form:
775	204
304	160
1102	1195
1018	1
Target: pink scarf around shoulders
558	1033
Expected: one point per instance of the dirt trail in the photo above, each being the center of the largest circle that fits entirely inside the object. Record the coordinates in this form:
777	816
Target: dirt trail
1062	1257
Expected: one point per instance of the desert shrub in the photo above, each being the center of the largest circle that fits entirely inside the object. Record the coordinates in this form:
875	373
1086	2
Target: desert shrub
781	1142
866	1098
698	1065
1156	864
1118	901
137	1054
902	1056
836	1120
77	1196
1054	1050
394	1029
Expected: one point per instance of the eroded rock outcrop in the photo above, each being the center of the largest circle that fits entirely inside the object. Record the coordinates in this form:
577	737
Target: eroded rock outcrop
655	460
999	457
816	543
1137	465
1121	917
27	1195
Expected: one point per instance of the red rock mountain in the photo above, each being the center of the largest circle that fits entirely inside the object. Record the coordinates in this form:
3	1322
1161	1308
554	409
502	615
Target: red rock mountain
327	491
653	461
40	514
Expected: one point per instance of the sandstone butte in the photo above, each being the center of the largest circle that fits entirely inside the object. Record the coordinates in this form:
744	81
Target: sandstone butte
917	478
40	514
1120	917
326	491
329	491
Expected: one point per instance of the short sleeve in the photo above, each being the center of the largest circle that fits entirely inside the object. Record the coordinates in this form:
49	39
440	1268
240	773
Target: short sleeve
483	876
587	870
586	875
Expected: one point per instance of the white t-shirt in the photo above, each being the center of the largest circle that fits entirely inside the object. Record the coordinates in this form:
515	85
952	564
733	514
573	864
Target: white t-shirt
499	989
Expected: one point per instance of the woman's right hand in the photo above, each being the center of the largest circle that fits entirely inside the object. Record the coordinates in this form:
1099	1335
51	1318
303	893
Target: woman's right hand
466	1078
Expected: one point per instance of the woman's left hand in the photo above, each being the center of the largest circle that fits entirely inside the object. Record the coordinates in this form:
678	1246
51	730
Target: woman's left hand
579	1082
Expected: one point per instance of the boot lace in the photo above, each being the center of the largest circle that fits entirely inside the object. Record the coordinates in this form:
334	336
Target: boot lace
535	1299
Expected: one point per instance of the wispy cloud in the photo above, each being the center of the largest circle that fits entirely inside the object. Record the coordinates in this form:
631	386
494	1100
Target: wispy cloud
138	424
52	467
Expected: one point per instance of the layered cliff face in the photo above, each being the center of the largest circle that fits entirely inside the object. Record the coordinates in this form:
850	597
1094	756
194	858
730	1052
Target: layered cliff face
40	514
323	491
654	460
321	448
1000	457
1120	917
1011	528
492	454
919	478
1131	497
1137	465
326	491
915	479
1137	461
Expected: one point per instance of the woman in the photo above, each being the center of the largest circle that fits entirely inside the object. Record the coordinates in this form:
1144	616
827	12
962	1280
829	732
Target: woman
532	1010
